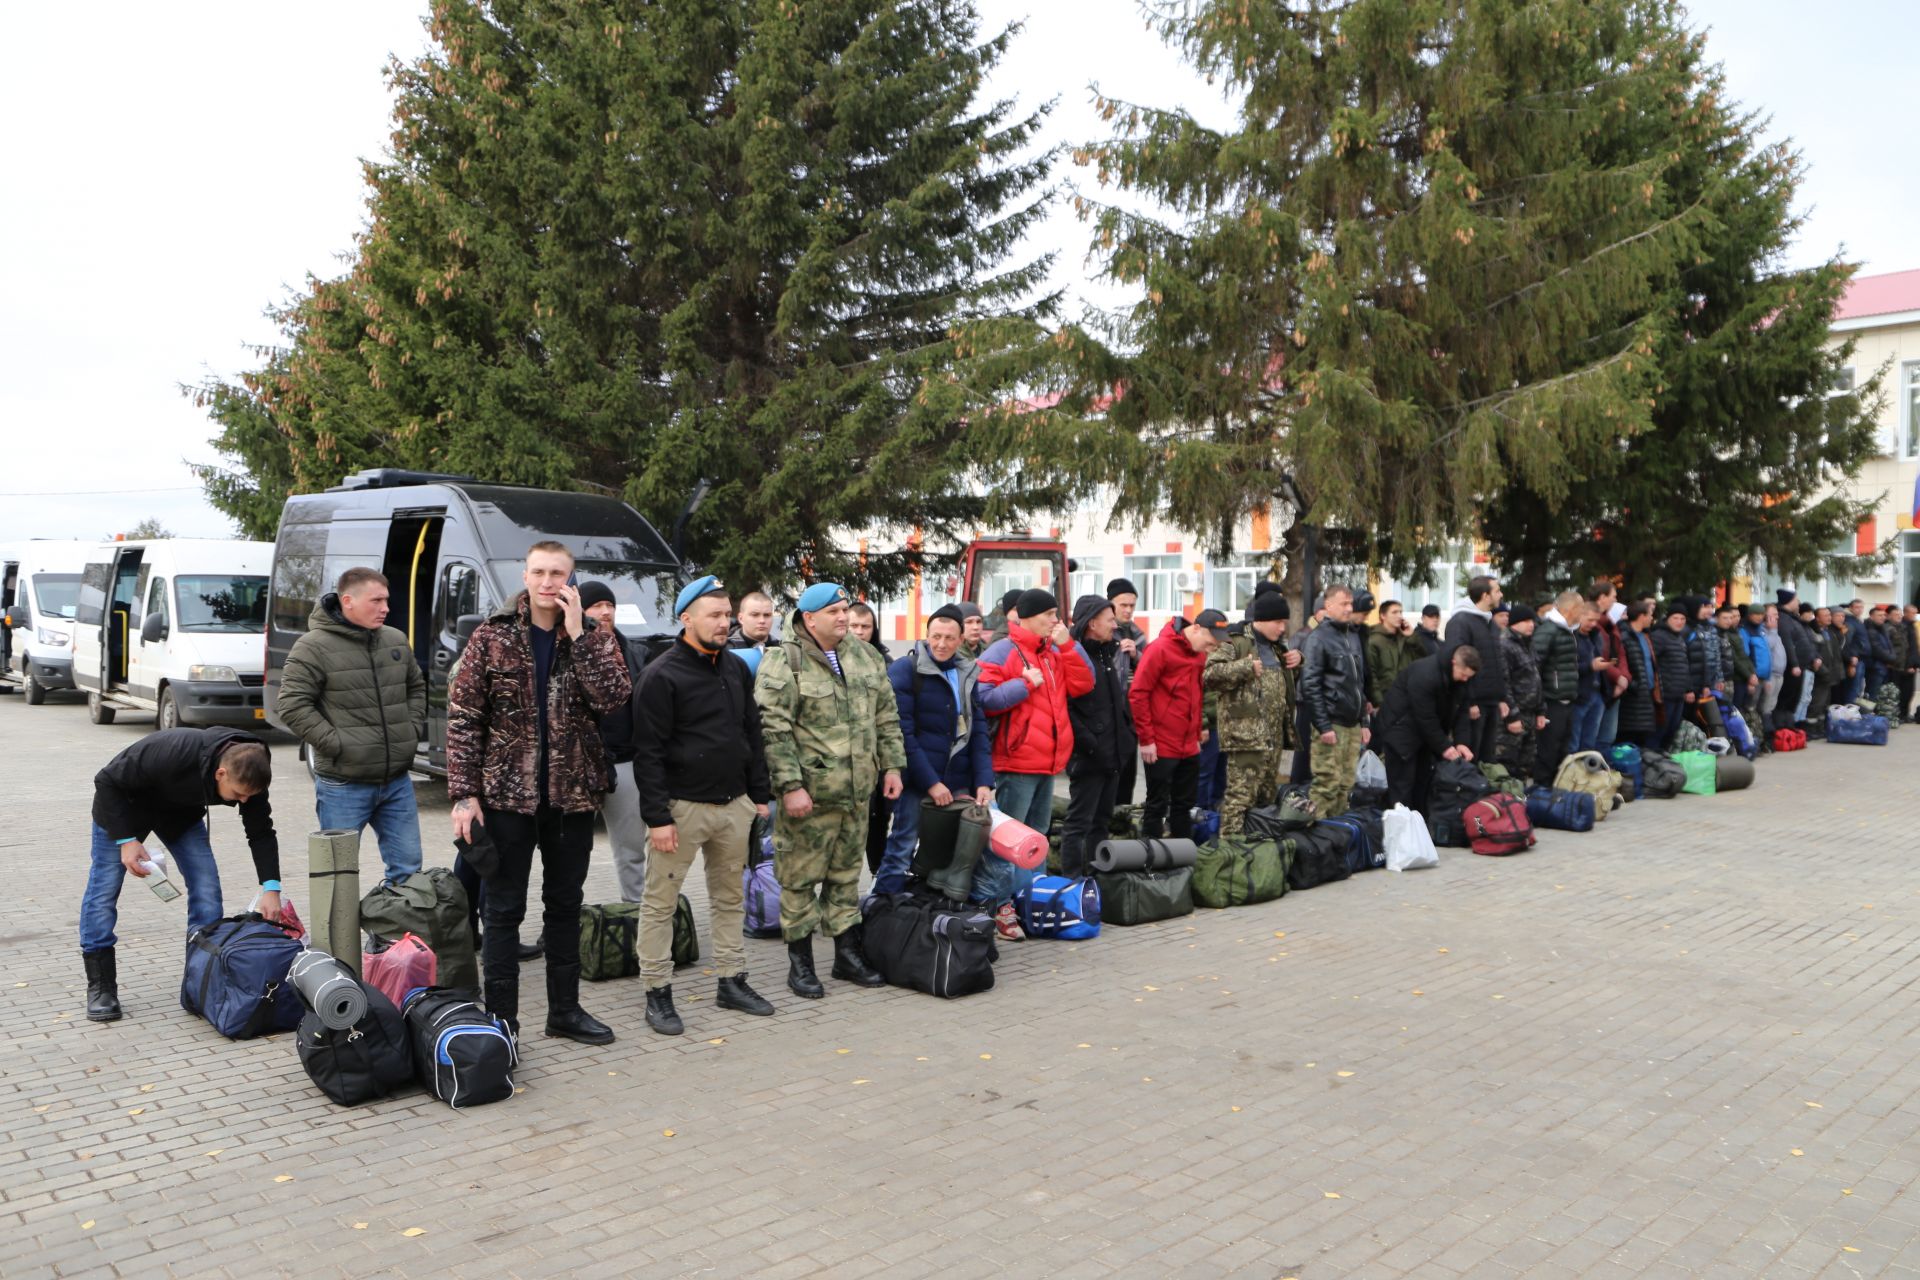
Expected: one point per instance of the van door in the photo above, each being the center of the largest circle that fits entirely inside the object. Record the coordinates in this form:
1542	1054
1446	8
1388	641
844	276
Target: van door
90	626
147	659
12	592
123	627
410	563
462	594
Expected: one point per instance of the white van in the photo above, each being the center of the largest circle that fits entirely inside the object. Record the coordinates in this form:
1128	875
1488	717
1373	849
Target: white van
176	627
39	589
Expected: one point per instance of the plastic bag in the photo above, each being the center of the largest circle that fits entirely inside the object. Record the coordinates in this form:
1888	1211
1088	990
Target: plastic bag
1843	711
1372	772
1409	844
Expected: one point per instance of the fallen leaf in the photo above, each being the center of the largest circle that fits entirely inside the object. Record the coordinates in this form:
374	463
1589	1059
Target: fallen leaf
1331	1195
1816	1106
1419	993
923	1059
1149	988
986	1057
146	1088
1236	1109
1280	935
1146	1079
1442	950
1499	997
359	1226
1846	1191
1313	1064
216	1151
414	1231
1849	1248
42	1107
666	1133
1083	1046
136	1111
518	1090
22	984
1343	1074
843	1051
613	1073
863	1081
88	1224
284	1177
1797	1151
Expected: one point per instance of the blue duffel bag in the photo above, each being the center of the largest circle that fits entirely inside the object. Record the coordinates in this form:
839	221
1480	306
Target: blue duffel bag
1550	810
237	977
1057	907
1866	731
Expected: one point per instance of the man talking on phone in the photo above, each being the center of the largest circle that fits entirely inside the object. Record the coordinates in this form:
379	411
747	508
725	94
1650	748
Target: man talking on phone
524	760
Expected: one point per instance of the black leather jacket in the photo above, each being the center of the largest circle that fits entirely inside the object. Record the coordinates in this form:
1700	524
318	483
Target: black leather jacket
1333	675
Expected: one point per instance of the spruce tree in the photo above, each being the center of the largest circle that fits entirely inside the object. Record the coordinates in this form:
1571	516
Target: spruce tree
766	244
1753	438
1422	265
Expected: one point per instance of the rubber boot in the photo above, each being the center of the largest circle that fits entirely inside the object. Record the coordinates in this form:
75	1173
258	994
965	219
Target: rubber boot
566	1020
660	1012
801	979
734	993
850	961
103	986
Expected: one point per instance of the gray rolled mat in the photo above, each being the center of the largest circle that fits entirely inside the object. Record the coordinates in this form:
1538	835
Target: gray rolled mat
1144	855
328	987
333	894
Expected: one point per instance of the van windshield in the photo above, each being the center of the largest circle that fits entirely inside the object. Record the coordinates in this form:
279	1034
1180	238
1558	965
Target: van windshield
229	603
642	596
57	595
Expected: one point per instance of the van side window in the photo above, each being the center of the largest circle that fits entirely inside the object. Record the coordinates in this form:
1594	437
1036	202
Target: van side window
91	609
156	601
296	588
460	590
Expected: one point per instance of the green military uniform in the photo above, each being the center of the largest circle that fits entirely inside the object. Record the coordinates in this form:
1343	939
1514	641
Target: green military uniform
833	735
1252	691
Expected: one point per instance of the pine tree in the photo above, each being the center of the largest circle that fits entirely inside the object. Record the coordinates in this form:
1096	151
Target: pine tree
766	244
1752	438
1423	264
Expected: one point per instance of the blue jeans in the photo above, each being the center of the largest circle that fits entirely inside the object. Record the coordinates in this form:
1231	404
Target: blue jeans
901	839
1587	713
1609	726
192	863
1213	775
388	806
1025	797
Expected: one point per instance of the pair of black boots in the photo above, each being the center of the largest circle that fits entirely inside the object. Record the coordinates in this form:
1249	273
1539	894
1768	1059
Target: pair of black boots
566	1020
731	993
849	965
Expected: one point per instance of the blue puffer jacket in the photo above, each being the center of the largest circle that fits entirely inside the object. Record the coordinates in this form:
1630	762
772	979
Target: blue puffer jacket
930	723
1759	648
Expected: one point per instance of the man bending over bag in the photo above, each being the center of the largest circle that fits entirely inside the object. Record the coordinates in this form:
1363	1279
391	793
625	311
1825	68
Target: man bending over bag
162	785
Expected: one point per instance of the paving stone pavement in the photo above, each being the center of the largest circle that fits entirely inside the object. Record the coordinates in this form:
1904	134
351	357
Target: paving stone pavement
1682	1046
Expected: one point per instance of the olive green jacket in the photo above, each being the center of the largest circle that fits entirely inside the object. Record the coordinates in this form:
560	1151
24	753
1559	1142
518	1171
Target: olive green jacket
1388	654
832	735
354	696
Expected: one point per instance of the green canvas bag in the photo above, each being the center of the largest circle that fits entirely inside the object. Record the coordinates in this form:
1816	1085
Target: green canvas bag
1142	897
1236	870
610	940
431	905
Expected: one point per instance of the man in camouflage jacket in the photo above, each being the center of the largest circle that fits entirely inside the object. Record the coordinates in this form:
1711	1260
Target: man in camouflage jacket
525	764
1251	680
832	729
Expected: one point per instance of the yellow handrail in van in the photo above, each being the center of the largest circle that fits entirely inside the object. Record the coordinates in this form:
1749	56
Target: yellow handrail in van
413	582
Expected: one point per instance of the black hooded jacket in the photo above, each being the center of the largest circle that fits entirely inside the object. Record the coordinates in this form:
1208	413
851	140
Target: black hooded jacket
1103	732
162	785
1420	708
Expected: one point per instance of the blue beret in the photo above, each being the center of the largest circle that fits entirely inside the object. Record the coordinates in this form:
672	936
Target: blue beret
707	586
749	656
823	595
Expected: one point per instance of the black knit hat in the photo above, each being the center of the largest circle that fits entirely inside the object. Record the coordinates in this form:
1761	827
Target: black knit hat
951	612
1785	596
1432	611
1121	587
1677	605
1269	606
593	593
1519	613
1033	602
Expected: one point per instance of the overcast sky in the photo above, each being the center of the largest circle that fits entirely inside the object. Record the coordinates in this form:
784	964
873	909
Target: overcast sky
178	168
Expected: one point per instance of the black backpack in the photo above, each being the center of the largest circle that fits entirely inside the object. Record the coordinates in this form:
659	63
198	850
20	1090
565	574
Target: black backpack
463	1055
929	944
1368	852
1319	855
1456	784
371	1059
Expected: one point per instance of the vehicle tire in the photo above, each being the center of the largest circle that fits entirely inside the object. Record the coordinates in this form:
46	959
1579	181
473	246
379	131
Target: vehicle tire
168	716
97	711
35	691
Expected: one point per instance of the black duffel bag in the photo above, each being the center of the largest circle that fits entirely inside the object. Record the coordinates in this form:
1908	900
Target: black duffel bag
1662	778
371	1059
929	944
1456	784
1319	855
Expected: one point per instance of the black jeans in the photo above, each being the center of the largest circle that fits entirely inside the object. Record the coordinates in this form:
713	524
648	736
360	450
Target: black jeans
1481	736
1171	787
1553	742
1092	796
1409	778
565	841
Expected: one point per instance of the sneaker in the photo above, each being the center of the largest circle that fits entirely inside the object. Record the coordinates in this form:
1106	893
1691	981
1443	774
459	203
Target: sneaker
1007	921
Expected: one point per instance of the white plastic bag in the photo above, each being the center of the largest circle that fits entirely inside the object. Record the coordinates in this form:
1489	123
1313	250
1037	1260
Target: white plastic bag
1409	843
1372	772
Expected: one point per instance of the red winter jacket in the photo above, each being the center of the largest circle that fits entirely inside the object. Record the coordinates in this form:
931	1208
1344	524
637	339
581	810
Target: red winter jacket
1031	730
1166	697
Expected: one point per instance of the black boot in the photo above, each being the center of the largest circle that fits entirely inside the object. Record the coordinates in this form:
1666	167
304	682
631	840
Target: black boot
503	1002
850	961
660	1014
103	986
566	1020
535	949
734	993
801	979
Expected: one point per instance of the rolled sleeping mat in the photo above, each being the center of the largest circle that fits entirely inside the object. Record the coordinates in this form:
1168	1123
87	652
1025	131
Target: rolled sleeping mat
333	894
1732	773
1144	855
327	987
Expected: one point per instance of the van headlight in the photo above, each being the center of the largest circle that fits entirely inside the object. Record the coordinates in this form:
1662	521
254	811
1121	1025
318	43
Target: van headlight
55	638
198	672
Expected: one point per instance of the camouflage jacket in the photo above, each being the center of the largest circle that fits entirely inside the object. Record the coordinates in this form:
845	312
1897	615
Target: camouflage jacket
493	736
1254	701
831	735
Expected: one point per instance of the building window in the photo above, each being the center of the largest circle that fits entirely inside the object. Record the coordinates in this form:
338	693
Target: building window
1090	579
1155	576
1230	585
1909	428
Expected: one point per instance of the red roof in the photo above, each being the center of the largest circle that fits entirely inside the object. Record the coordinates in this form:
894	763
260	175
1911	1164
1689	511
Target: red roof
1879	295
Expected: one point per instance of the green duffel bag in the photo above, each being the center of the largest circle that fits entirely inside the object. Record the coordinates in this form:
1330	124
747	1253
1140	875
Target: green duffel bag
1235	870
686	938
1142	897
1503	780
610	940
431	905
1703	771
